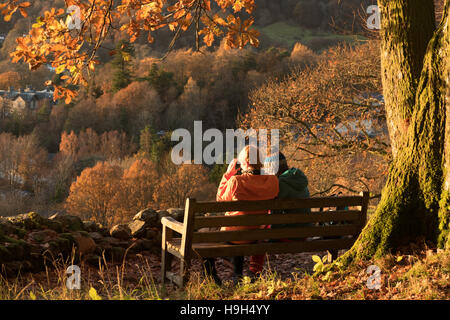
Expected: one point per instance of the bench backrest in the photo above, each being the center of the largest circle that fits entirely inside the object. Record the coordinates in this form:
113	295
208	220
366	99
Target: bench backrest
354	218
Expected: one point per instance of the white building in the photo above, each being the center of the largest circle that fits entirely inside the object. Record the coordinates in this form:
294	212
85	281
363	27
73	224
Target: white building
19	101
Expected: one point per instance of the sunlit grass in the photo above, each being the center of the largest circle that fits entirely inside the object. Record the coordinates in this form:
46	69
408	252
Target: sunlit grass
422	276
289	34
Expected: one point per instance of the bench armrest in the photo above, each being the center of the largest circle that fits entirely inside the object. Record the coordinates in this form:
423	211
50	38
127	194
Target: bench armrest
173	224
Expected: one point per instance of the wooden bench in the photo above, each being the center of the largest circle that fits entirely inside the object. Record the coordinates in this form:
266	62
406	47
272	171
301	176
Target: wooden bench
190	243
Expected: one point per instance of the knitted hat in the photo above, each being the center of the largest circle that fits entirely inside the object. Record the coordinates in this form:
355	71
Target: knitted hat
273	163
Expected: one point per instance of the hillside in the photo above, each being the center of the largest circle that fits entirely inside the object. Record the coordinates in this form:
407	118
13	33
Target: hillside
314	147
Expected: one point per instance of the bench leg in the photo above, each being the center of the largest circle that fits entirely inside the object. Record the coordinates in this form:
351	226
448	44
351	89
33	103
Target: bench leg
166	262
334	254
166	257
185	265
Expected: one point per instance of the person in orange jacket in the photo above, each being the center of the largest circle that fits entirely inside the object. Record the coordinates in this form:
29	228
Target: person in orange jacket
245	183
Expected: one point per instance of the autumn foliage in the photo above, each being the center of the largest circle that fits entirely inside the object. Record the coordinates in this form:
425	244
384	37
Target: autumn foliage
73	52
109	145
9	79
331	118
187	181
109	194
91	194
139	184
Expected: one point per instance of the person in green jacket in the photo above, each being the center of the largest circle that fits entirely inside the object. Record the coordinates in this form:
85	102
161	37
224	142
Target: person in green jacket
293	184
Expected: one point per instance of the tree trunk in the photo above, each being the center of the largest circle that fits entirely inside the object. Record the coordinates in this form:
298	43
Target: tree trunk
444	213
407	27
415	200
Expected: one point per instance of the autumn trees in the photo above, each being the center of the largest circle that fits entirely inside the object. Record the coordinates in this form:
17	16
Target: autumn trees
107	146
317	115
122	76
109	194
185	181
331	118
73	51
22	161
92	193
9	79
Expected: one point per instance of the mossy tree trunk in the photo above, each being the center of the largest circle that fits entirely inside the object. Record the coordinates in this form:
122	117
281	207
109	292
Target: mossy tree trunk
407	28
444	213
415	201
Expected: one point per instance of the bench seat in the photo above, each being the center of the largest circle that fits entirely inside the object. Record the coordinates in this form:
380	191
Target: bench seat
200	236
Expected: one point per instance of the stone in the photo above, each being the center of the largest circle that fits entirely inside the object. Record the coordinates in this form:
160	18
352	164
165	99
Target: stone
19	249
93	259
54	225
162	214
137	228
7	228
151	234
148	215
84	244
64	245
72	223
95	235
36	217
25	222
121	231
176	213
13	268
90	226
56	215
142	245
109	240
42	236
5	254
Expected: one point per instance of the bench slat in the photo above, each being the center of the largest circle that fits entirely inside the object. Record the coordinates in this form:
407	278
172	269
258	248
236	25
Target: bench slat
277	204
266	219
268	234
228	250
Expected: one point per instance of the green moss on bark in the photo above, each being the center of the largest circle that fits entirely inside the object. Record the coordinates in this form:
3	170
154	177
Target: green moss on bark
444	221
413	203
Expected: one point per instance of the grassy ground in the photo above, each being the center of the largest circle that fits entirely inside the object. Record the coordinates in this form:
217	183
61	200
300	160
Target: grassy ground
422	275
288	34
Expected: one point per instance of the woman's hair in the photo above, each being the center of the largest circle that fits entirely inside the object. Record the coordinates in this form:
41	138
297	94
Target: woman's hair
250	154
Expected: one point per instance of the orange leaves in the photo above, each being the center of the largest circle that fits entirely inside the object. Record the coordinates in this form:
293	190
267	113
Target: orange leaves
61	92
212	29
92	64
248	5
206	5
91	194
10	7
188	180
240	33
237	5
72	52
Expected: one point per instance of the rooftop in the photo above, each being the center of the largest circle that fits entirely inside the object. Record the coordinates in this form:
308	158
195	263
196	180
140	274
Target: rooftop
27	94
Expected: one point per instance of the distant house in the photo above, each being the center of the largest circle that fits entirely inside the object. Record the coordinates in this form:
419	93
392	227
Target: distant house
22	100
